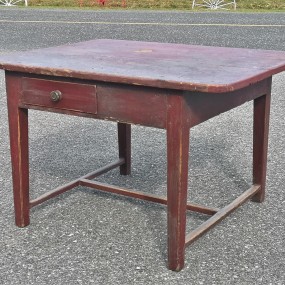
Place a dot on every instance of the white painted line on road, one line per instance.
(147, 23)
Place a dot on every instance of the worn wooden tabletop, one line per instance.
(174, 66)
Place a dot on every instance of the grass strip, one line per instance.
(156, 4)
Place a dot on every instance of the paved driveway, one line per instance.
(86, 237)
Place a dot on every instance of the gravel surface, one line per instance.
(87, 237)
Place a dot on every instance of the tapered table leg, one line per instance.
(124, 138)
(260, 141)
(177, 174)
(18, 125)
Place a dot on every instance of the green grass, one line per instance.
(158, 4)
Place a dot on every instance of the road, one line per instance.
(85, 237)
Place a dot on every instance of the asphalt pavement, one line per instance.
(87, 237)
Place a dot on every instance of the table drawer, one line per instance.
(59, 95)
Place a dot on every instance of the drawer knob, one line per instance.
(55, 96)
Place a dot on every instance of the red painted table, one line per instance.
(168, 86)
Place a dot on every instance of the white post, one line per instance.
(26, 2)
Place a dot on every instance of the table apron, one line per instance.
(204, 106)
(132, 104)
(108, 101)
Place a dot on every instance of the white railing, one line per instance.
(214, 4)
(12, 2)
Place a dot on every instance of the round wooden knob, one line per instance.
(55, 96)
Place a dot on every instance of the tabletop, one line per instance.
(172, 66)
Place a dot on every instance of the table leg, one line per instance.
(260, 142)
(124, 138)
(18, 127)
(177, 176)
(18, 124)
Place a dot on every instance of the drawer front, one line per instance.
(59, 95)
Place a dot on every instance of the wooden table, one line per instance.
(167, 86)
